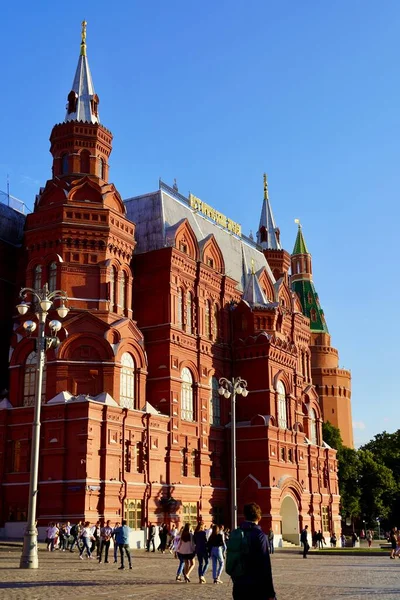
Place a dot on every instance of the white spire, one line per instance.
(82, 99)
(267, 236)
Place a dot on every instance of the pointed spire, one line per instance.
(82, 100)
(300, 246)
(268, 234)
(253, 293)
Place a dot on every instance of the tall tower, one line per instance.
(268, 237)
(78, 239)
(332, 383)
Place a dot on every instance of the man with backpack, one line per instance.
(248, 561)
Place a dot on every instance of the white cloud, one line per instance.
(359, 425)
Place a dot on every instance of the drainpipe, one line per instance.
(123, 478)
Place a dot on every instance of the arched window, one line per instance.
(189, 312)
(313, 427)
(313, 315)
(37, 279)
(113, 289)
(179, 308)
(64, 164)
(122, 289)
(127, 385)
(102, 168)
(30, 380)
(187, 400)
(207, 320)
(52, 276)
(282, 414)
(215, 406)
(215, 323)
(85, 161)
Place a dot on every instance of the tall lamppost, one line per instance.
(42, 303)
(229, 389)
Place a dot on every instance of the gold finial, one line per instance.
(265, 187)
(298, 222)
(83, 40)
(252, 266)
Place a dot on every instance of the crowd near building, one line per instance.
(166, 296)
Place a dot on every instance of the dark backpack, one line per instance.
(74, 530)
(238, 550)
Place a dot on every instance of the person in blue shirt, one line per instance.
(122, 539)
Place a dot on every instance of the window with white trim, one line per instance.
(122, 289)
(189, 312)
(187, 400)
(282, 413)
(127, 385)
(179, 309)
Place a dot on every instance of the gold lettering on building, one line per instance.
(214, 215)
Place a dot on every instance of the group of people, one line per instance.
(89, 538)
(252, 580)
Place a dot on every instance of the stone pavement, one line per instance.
(62, 576)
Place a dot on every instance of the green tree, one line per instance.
(331, 435)
(378, 487)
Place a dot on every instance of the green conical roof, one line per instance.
(305, 290)
(300, 244)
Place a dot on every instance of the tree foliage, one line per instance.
(369, 478)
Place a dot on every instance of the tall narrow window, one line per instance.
(30, 380)
(37, 281)
(127, 385)
(122, 289)
(85, 161)
(215, 406)
(52, 276)
(215, 323)
(133, 513)
(189, 312)
(113, 288)
(179, 308)
(313, 427)
(102, 168)
(207, 320)
(187, 400)
(64, 164)
(193, 463)
(282, 414)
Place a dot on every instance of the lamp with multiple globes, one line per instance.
(229, 389)
(43, 301)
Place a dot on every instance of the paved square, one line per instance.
(63, 576)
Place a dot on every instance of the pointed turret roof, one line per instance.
(253, 293)
(303, 285)
(267, 232)
(300, 246)
(82, 99)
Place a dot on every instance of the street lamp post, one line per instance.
(43, 303)
(229, 389)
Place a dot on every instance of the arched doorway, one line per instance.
(290, 520)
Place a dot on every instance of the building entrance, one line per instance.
(290, 520)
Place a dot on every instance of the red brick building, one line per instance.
(166, 297)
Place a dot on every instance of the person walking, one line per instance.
(87, 538)
(163, 538)
(75, 532)
(122, 537)
(51, 536)
(271, 540)
(186, 553)
(369, 538)
(151, 538)
(254, 579)
(105, 540)
(200, 541)
(304, 541)
(393, 542)
(116, 526)
(217, 548)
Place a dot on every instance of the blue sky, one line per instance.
(215, 93)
